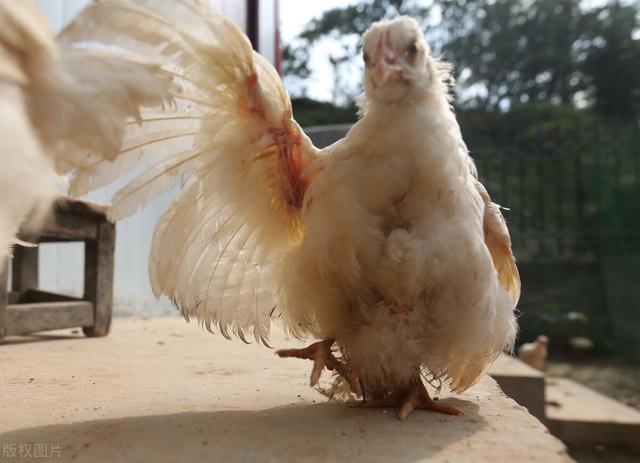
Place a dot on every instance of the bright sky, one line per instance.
(294, 15)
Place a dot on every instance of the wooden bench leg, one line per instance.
(4, 295)
(98, 278)
(24, 274)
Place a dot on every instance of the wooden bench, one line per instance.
(24, 309)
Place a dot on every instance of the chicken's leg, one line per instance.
(320, 353)
(415, 396)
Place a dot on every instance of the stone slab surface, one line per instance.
(506, 365)
(522, 383)
(163, 390)
(579, 415)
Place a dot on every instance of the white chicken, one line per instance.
(59, 109)
(383, 246)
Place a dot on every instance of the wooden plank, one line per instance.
(31, 318)
(69, 227)
(35, 295)
(64, 204)
(24, 274)
(70, 220)
(4, 295)
(14, 297)
(98, 278)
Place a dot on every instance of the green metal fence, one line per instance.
(573, 194)
(571, 183)
(572, 190)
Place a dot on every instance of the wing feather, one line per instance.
(498, 241)
(242, 161)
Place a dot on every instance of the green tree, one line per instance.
(611, 61)
(517, 51)
(547, 50)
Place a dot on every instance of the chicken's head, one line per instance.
(542, 340)
(397, 60)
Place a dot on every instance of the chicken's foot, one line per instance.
(320, 353)
(414, 397)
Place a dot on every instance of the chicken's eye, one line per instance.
(365, 58)
(412, 49)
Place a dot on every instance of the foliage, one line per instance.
(612, 63)
(570, 176)
(309, 112)
(556, 322)
(547, 50)
(519, 51)
(294, 61)
(554, 315)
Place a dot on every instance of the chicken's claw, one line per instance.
(420, 399)
(320, 353)
(415, 397)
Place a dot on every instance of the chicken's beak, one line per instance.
(387, 67)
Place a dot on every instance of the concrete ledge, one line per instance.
(522, 383)
(581, 416)
(162, 390)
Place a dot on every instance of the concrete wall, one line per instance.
(59, 12)
(325, 135)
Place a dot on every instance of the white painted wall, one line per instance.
(59, 12)
(62, 264)
(267, 29)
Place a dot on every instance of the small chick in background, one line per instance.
(535, 353)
